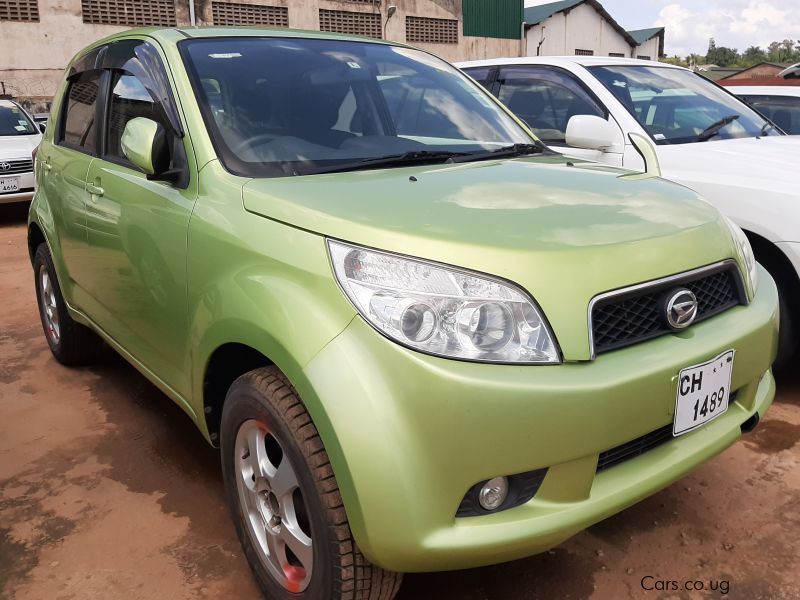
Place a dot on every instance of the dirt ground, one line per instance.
(107, 491)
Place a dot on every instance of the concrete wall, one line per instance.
(33, 55)
(580, 28)
(649, 48)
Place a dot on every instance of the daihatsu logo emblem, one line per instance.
(4, 166)
(681, 309)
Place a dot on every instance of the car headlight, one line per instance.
(443, 310)
(745, 253)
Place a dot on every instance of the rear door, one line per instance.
(137, 227)
(65, 163)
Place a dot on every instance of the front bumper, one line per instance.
(409, 434)
(21, 196)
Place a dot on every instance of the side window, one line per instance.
(480, 74)
(79, 120)
(129, 99)
(784, 111)
(546, 99)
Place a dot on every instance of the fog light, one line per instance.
(493, 493)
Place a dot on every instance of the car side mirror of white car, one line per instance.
(592, 133)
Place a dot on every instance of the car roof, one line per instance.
(765, 90)
(176, 34)
(586, 61)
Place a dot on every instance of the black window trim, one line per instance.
(98, 116)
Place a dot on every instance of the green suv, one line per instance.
(421, 340)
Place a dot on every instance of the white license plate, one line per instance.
(703, 393)
(9, 184)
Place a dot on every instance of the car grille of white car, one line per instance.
(12, 167)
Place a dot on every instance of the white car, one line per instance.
(779, 103)
(669, 121)
(19, 137)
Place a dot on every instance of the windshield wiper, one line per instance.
(504, 152)
(406, 158)
(713, 129)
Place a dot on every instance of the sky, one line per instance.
(690, 23)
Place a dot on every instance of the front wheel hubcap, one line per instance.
(273, 506)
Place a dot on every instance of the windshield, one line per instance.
(13, 121)
(281, 106)
(678, 107)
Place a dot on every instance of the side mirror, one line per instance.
(592, 133)
(42, 127)
(144, 143)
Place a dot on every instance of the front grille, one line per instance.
(24, 165)
(630, 317)
(649, 441)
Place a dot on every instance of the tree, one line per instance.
(753, 56)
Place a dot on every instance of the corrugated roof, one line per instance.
(536, 14)
(642, 35)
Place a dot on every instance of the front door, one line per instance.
(137, 235)
(546, 98)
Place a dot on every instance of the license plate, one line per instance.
(703, 393)
(9, 184)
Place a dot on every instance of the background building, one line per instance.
(39, 37)
(583, 27)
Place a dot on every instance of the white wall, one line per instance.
(649, 48)
(581, 28)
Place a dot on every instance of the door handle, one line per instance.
(94, 190)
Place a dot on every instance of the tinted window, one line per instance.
(481, 75)
(784, 111)
(676, 106)
(80, 112)
(14, 121)
(546, 99)
(277, 107)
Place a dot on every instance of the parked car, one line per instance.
(780, 104)
(422, 340)
(698, 135)
(19, 138)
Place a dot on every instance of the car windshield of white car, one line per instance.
(676, 106)
(15, 122)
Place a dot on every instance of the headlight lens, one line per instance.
(443, 311)
(745, 253)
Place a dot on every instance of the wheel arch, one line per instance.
(36, 237)
(774, 260)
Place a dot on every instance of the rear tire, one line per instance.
(285, 501)
(71, 343)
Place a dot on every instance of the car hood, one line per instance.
(18, 146)
(565, 231)
(753, 180)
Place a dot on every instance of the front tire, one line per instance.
(285, 501)
(71, 343)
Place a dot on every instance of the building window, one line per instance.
(236, 13)
(129, 12)
(579, 52)
(19, 10)
(617, 54)
(355, 23)
(434, 31)
(643, 57)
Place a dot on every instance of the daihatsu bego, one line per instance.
(421, 340)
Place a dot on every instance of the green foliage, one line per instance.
(786, 51)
